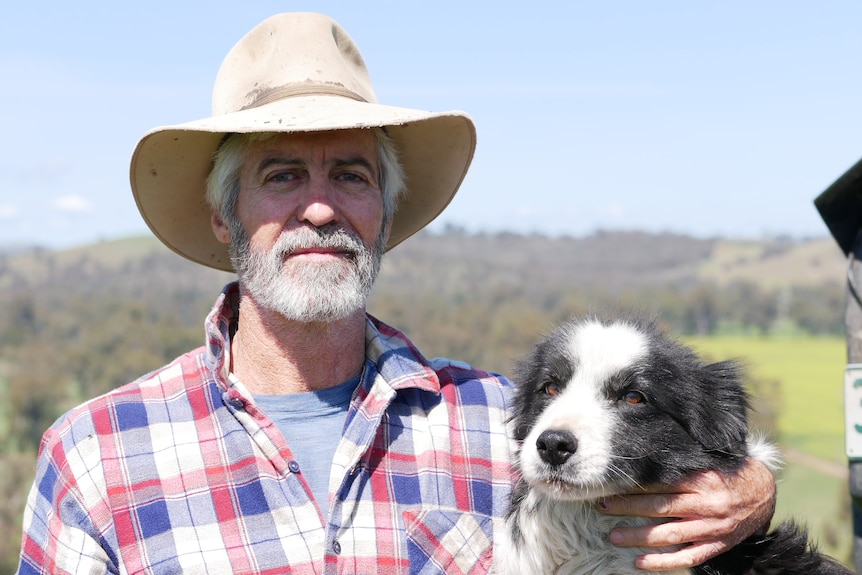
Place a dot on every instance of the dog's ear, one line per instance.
(719, 421)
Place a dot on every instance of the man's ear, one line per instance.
(220, 228)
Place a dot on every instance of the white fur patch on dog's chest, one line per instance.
(573, 537)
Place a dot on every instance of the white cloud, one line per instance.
(73, 203)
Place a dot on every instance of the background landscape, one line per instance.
(81, 321)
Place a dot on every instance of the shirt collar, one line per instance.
(393, 355)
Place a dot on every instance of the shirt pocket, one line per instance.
(448, 541)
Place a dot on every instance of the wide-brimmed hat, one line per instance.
(294, 72)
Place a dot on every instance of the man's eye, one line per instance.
(282, 177)
(351, 177)
(551, 388)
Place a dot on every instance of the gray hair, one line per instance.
(223, 181)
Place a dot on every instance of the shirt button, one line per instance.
(237, 402)
(336, 547)
(293, 466)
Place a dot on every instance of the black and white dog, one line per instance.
(605, 406)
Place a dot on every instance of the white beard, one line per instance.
(308, 292)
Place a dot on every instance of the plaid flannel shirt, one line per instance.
(179, 472)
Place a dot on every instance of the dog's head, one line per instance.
(603, 406)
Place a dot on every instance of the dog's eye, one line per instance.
(633, 397)
(551, 388)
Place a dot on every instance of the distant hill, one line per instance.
(612, 260)
(607, 260)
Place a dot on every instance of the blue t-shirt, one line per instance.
(312, 423)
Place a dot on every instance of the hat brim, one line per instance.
(170, 164)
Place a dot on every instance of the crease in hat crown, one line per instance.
(319, 59)
(294, 72)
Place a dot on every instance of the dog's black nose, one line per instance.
(555, 446)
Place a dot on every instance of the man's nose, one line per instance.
(318, 206)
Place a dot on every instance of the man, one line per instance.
(307, 436)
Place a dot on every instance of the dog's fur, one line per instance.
(603, 407)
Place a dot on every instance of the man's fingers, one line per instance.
(694, 542)
(666, 534)
(642, 505)
(672, 533)
(669, 505)
(685, 558)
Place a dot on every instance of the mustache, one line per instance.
(311, 238)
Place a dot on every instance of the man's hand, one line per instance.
(712, 512)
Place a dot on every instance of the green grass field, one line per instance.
(809, 372)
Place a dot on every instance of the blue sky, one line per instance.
(706, 118)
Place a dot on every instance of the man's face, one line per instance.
(308, 235)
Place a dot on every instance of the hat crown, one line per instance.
(287, 55)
